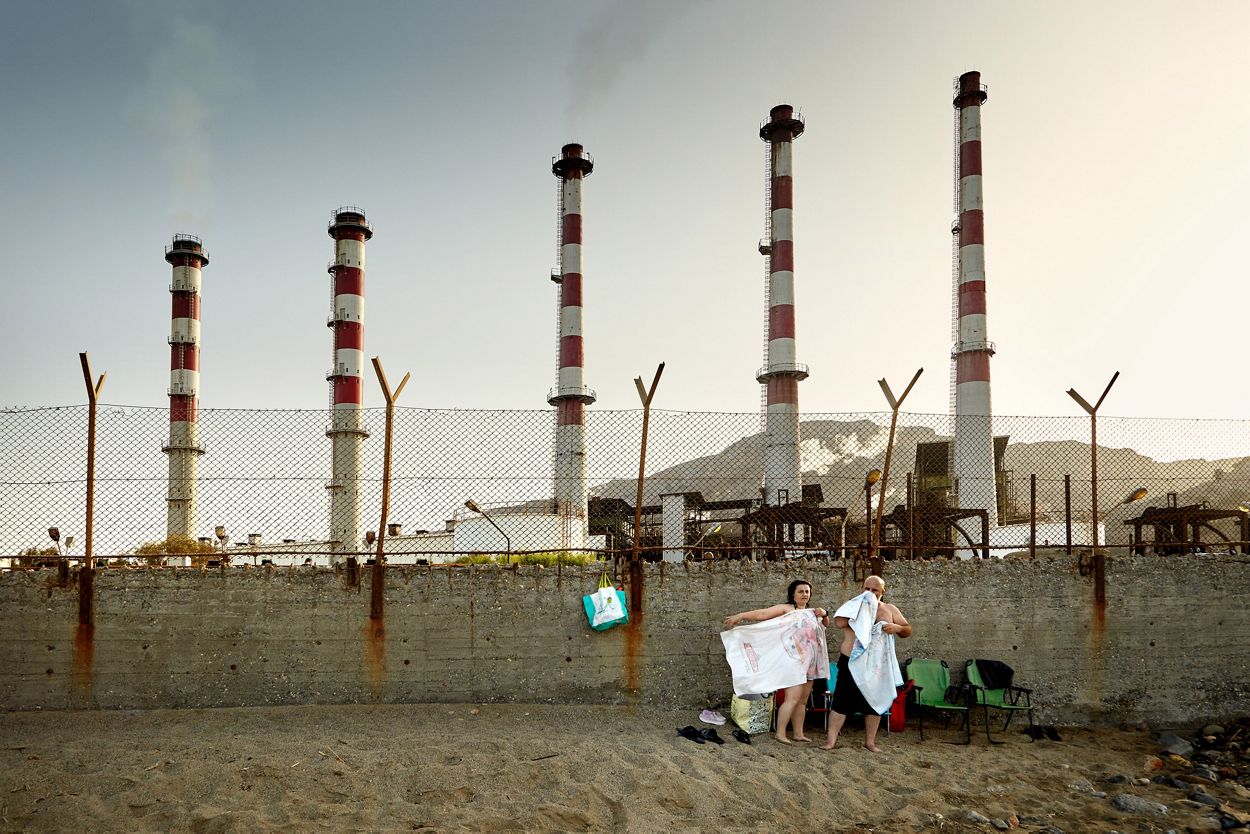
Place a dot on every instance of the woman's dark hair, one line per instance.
(793, 587)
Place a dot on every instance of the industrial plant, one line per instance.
(958, 497)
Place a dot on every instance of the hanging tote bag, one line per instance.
(606, 606)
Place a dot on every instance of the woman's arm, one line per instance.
(758, 615)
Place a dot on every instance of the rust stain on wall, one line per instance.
(83, 673)
(375, 656)
(634, 638)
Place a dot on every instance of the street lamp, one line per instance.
(473, 507)
(220, 532)
(871, 478)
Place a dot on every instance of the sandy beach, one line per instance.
(492, 767)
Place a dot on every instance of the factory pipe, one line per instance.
(782, 373)
(187, 257)
(973, 464)
(570, 396)
(350, 229)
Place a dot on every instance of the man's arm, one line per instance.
(898, 625)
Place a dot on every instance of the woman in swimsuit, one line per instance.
(793, 710)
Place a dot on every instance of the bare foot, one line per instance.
(872, 748)
(828, 745)
(782, 739)
(802, 738)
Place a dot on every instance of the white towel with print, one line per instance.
(873, 663)
(785, 651)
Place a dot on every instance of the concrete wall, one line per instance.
(1170, 649)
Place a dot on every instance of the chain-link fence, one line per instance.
(260, 488)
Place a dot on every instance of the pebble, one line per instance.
(1141, 780)
(973, 816)
(1213, 730)
(1052, 829)
(1082, 786)
(1171, 782)
(1172, 743)
(1204, 798)
(1204, 774)
(1152, 763)
(1137, 805)
(1001, 825)
(1116, 779)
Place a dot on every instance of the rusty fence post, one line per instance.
(1067, 511)
(86, 616)
(379, 568)
(1033, 516)
(635, 559)
(874, 544)
(1100, 568)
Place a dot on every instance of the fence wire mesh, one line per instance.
(261, 486)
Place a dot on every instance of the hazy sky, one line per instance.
(1116, 183)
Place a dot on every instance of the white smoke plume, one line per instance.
(616, 39)
(191, 75)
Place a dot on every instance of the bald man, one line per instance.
(847, 698)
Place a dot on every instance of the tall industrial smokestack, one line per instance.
(781, 373)
(187, 256)
(570, 396)
(350, 230)
(973, 457)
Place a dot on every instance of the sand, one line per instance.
(494, 767)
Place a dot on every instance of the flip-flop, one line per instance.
(742, 736)
(690, 733)
(709, 734)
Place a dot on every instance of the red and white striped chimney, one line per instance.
(571, 396)
(782, 373)
(187, 256)
(350, 230)
(973, 457)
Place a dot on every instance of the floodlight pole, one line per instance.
(1100, 568)
(379, 575)
(85, 576)
(874, 545)
(635, 559)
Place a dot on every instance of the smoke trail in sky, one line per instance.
(190, 76)
(613, 41)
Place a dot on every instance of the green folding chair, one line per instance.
(1008, 699)
(933, 691)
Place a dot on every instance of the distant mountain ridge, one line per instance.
(838, 454)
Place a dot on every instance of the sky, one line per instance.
(1116, 178)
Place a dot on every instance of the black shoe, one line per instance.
(741, 735)
(690, 733)
(709, 734)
